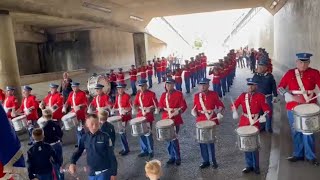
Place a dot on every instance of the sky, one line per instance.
(211, 27)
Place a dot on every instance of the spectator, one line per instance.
(153, 169)
(65, 87)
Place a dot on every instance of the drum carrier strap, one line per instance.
(249, 110)
(301, 86)
(141, 104)
(208, 116)
(97, 101)
(167, 104)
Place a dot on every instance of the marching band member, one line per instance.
(252, 103)
(100, 102)
(10, 103)
(54, 101)
(120, 76)
(150, 73)
(158, 70)
(29, 106)
(123, 105)
(133, 79)
(267, 86)
(203, 61)
(193, 72)
(147, 103)
(301, 82)
(2, 96)
(177, 77)
(187, 76)
(216, 79)
(113, 84)
(205, 103)
(173, 104)
(143, 72)
(78, 101)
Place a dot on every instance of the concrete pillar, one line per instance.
(140, 44)
(9, 70)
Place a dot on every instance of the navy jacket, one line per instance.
(266, 83)
(52, 132)
(109, 129)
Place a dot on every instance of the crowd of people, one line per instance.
(96, 134)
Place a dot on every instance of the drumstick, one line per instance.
(314, 98)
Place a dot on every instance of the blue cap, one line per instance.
(9, 88)
(120, 69)
(27, 88)
(263, 62)
(74, 84)
(52, 85)
(142, 82)
(304, 56)
(170, 80)
(251, 81)
(121, 85)
(204, 81)
(98, 86)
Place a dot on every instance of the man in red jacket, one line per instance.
(133, 79)
(178, 77)
(10, 103)
(204, 105)
(149, 73)
(173, 104)
(29, 106)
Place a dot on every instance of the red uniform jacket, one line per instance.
(177, 76)
(30, 102)
(197, 65)
(2, 95)
(203, 62)
(215, 77)
(175, 100)
(148, 99)
(143, 72)
(120, 77)
(150, 70)
(163, 65)
(257, 103)
(101, 101)
(187, 72)
(133, 74)
(79, 98)
(211, 101)
(158, 66)
(192, 67)
(11, 102)
(55, 99)
(113, 77)
(310, 78)
(124, 103)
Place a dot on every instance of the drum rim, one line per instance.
(142, 119)
(246, 135)
(209, 127)
(306, 115)
(19, 118)
(157, 123)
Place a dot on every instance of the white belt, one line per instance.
(216, 76)
(55, 143)
(267, 95)
(177, 76)
(247, 116)
(99, 172)
(302, 92)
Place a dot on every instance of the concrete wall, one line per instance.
(297, 30)
(155, 48)
(28, 58)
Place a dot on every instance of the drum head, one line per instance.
(69, 115)
(205, 124)
(19, 118)
(92, 81)
(137, 120)
(245, 130)
(306, 109)
(114, 118)
(164, 123)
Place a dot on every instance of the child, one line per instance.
(39, 158)
(153, 169)
(106, 127)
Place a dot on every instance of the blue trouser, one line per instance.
(159, 77)
(198, 76)
(206, 150)
(187, 83)
(204, 72)
(30, 129)
(150, 81)
(223, 85)
(252, 159)
(47, 176)
(217, 88)
(102, 176)
(174, 148)
(79, 135)
(124, 141)
(163, 74)
(58, 149)
(133, 86)
(178, 86)
(268, 124)
(146, 143)
(193, 80)
(303, 145)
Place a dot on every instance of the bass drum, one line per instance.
(99, 79)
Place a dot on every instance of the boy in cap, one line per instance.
(105, 126)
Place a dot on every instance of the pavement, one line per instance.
(230, 159)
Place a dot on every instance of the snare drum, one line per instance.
(19, 123)
(206, 131)
(69, 121)
(116, 121)
(306, 118)
(165, 130)
(248, 138)
(139, 126)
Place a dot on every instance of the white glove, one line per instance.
(143, 112)
(89, 111)
(275, 100)
(27, 111)
(194, 112)
(76, 108)
(175, 113)
(235, 115)
(147, 110)
(13, 113)
(6, 109)
(112, 112)
(262, 119)
(134, 111)
(288, 97)
(64, 109)
(156, 111)
(219, 116)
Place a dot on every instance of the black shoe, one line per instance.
(125, 153)
(214, 165)
(314, 162)
(204, 165)
(143, 154)
(122, 151)
(30, 143)
(151, 155)
(257, 171)
(295, 159)
(178, 162)
(247, 170)
(76, 146)
(170, 161)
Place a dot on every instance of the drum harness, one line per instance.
(120, 112)
(168, 109)
(205, 111)
(301, 86)
(144, 112)
(80, 126)
(252, 121)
